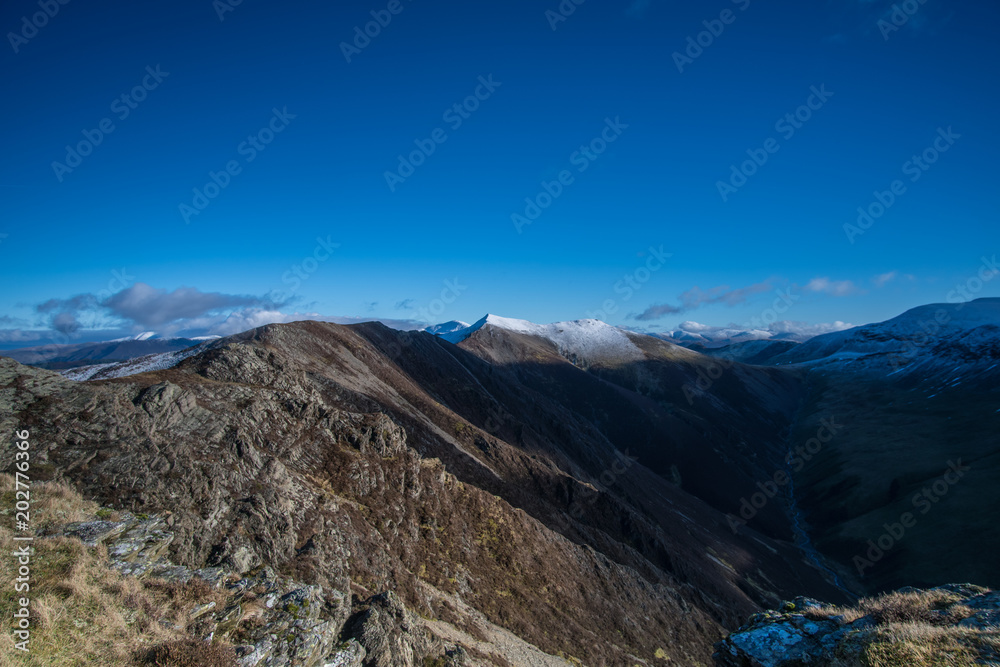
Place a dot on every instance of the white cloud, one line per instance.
(150, 307)
(884, 279)
(696, 327)
(831, 287)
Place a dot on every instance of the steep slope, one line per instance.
(714, 428)
(872, 423)
(363, 459)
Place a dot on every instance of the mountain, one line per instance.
(568, 493)
(582, 340)
(933, 335)
(58, 357)
(710, 338)
(446, 327)
(700, 337)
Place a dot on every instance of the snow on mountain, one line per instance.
(447, 327)
(150, 362)
(713, 337)
(60, 357)
(693, 334)
(581, 339)
(925, 336)
(145, 335)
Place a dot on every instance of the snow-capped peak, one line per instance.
(145, 335)
(587, 339)
(447, 327)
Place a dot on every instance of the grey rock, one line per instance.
(790, 639)
(388, 633)
(202, 609)
(93, 533)
(984, 620)
(145, 542)
(984, 601)
(350, 654)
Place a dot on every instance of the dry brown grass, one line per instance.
(84, 613)
(190, 653)
(932, 607)
(913, 629)
(921, 645)
(52, 503)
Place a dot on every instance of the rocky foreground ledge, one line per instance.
(221, 617)
(267, 619)
(270, 619)
(111, 573)
(953, 625)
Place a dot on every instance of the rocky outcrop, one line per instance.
(958, 620)
(273, 620)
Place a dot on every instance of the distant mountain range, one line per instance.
(58, 357)
(711, 337)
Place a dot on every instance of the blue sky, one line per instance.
(641, 124)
